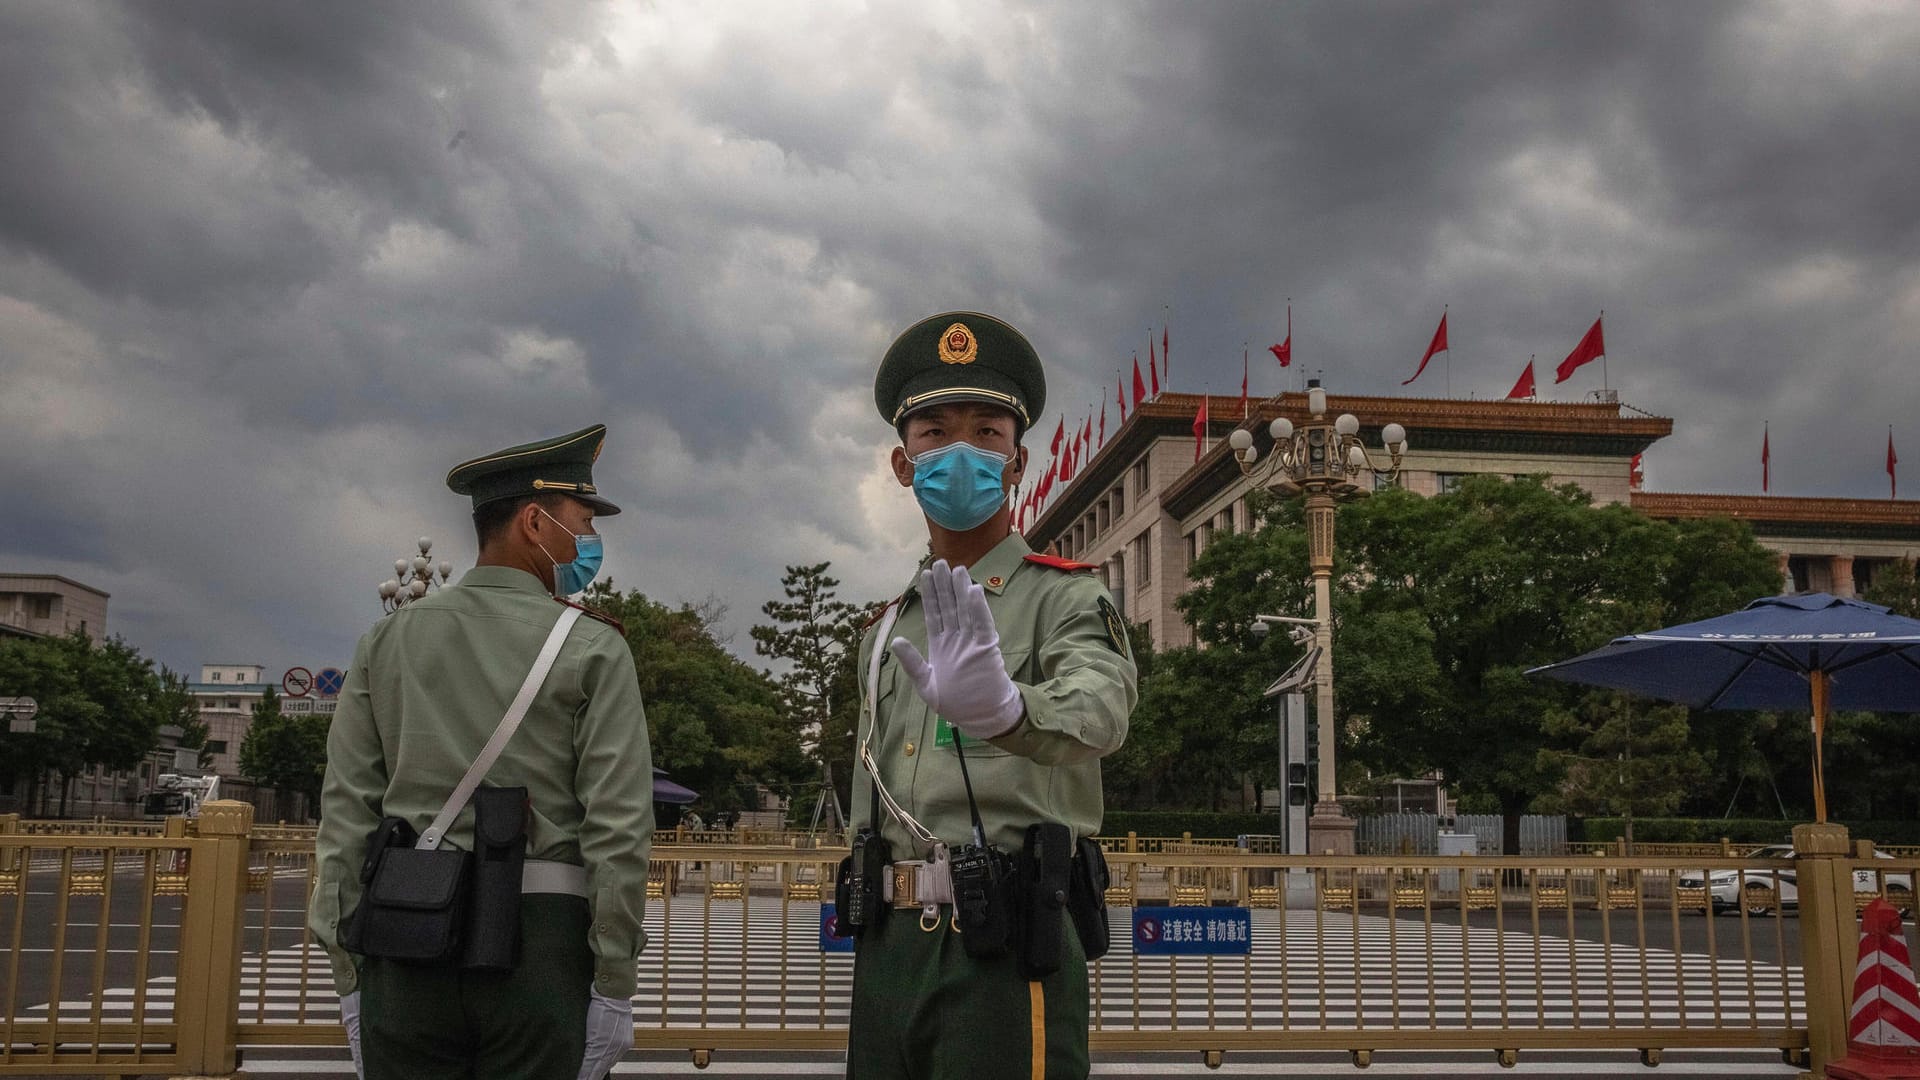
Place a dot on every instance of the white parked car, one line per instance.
(1732, 889)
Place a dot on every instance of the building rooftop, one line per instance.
(1560, 427)
(1896, 519)
(10, 582)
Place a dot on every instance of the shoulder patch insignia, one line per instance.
(1058, 563)
(1116, 627)
(592, 614)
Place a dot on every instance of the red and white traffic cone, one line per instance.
(1883, 1032)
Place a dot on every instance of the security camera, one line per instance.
(1259, 629)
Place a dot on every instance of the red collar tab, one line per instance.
(601, 615)
(1058, 563)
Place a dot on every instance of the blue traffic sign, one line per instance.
(329, 682)
(829, 943)
(1192, 931)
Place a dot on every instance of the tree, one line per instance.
(1627, 756)
(100, 704)
(1897, 588)
(286, 753)
(817, 635)
(1441, 604)
(714, 721)
(178, 707)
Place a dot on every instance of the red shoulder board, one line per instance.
(878, 613)
(592, 614)
(1058, 563)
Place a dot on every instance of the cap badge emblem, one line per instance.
(957, 345)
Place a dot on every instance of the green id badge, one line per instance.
(943, 733)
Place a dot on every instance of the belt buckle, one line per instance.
(905, 882)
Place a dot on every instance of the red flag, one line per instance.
(1437, 345)
(1103, 423)
(1283, 352)
(1200, 426)
(1139, 387)
(1636, 475)
(1059, 433)
(1086, 436)
(1243, 382)
(1893, 482)
(1153, 369)
(1591, 348)
(1523, 388)
(1766, 458)
(1120, 397)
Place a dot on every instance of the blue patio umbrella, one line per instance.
(666, 791)
(1813, 651)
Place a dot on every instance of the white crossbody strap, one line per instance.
(430, 840)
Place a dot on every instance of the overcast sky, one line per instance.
(268, 270)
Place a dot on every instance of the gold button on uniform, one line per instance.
(909, 749)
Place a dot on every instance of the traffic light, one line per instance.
(1297, 784)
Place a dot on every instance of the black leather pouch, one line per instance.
(415, 902)
(1087, 899)
(1045, 868)
(499, 854)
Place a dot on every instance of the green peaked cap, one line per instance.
(960, 356)
(562, 465)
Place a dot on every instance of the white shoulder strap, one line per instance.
(430, 840)
(881, 640)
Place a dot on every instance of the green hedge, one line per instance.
(1178, 822)
(1738, 830)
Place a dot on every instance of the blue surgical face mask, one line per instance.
(575, 576)
(959, 485)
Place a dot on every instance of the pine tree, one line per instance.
(817, 635)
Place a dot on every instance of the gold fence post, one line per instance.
(1828, 936)
(207, 998)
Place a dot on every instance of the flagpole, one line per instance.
(1166, 319)
(1443, 318)
(1605, 384)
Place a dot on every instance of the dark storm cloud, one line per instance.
(266, 270)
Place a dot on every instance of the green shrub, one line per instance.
(1178, 822)
(1738, 830)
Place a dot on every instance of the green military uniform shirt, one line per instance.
(428, 685)
(1066, 651)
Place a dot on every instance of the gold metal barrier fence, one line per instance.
(182, 953)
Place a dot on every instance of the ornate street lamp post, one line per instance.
(1327, 461)
(413, 577)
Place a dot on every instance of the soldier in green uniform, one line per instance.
(1019, 659)
(428, 685)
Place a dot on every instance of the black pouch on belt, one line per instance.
(857, 889)
(1045, 871)
(1087, 899)
(415, 905)
(984, 899)
(499, 854)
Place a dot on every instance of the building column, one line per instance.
(1786, 573)
(1840, 569)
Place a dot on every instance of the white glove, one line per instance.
(609, 1034)
(350, 1017)
(962, 677)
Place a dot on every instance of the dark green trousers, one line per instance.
(925, 1010)
(441, 1023)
